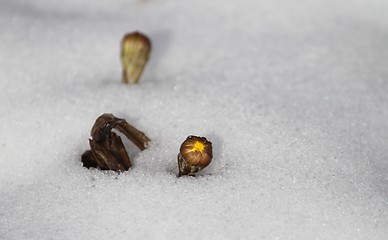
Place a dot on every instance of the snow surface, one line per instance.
(293, 95)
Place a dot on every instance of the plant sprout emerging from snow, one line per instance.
(107, 150)
(195, 154)
(135, 51)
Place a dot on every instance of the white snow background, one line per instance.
(293, 95)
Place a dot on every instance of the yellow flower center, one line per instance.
(198, 146)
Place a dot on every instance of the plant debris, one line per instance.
(107, 150)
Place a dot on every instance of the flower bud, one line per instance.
(135, 51)
(195, 154)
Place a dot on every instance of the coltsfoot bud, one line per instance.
(135, 51)
(195, 154)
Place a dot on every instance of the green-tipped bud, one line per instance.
(135, 51)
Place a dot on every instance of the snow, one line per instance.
(293, 95)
